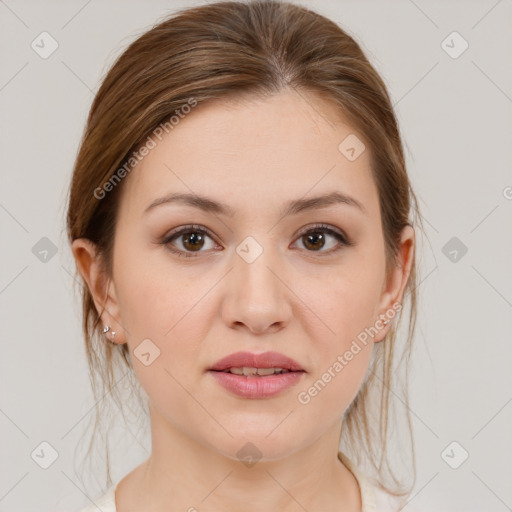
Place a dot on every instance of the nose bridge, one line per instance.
(258, 298)
(256, 265)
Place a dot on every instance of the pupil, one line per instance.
(193, 238)
(315, 237)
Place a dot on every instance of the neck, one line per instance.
(182, 474)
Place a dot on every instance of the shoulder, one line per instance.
(373, 497)
(379, 500)
(105, 503)
(385, 502)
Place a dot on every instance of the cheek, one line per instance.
(344, 302)
(168, 313)
(341, 358)
(358, 291)
(166, 304)
(336, 385)
(155, 296)
(341, 331)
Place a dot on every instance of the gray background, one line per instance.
(455, 118)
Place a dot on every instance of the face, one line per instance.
(199, 284)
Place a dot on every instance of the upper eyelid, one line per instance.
(325, 227)
(200, 227)
(188, 229)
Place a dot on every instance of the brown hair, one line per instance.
(222, 50)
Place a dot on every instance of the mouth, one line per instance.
(249, 375)
(256, 372)
(250, 364)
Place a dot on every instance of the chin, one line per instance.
(251, 444)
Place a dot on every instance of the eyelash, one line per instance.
(195, 228)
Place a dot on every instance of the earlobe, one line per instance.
(90, 265)
(394, 288)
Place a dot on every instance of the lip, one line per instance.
(257, 386)
(264, 360)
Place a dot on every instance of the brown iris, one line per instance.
(312, 240)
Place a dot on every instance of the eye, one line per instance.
(316, 238)
(191, 238)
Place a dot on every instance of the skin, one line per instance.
(255, 155)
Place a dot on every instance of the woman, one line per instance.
(239, 213)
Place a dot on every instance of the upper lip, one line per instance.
(250, 360)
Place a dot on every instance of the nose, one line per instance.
(257, 298)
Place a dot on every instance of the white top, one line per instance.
(373, 498)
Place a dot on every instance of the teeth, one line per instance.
(269, 371)
(249, 371)
(236, 371)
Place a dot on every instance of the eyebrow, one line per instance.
(292, 207)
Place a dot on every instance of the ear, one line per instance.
(90, 265)
(394, 287)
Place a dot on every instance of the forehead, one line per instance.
(246, 151)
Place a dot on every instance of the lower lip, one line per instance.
(256, 387)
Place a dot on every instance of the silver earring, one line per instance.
(106, 329)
